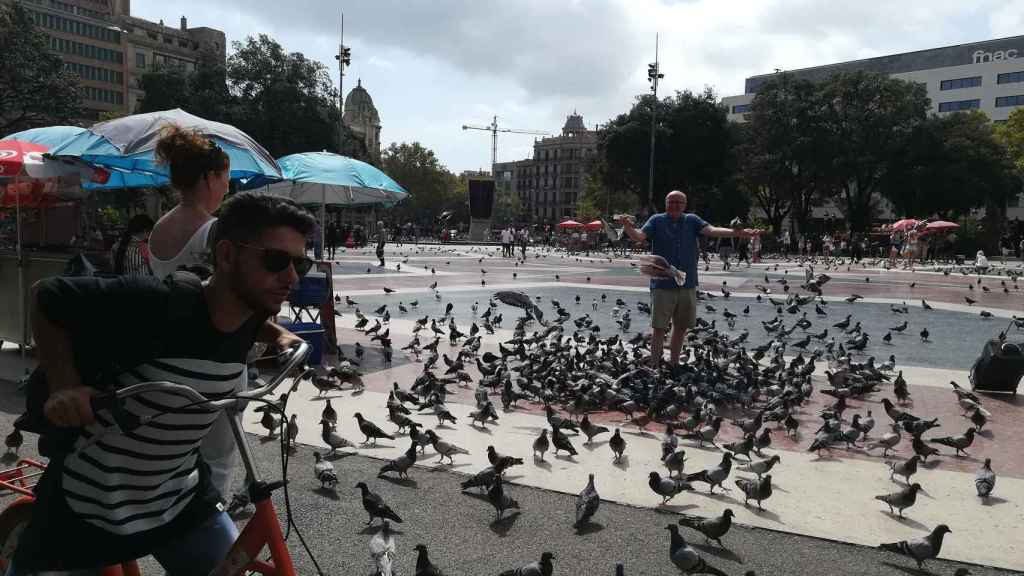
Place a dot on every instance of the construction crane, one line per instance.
(493, 129)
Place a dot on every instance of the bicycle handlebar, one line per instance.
(290, 359)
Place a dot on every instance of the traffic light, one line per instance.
(652, 73)
(345, 57)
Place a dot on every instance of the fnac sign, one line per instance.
(980, 56)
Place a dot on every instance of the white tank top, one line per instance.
(193, 253)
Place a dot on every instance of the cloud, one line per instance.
(432, 66)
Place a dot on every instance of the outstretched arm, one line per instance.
(719, 232)
(631, 230)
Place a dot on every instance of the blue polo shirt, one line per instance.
(676, 242)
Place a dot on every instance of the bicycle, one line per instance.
(261, 531)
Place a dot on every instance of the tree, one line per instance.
(432, 188)
(1011, 134)
(952, 165)
(866, 119)
(780, 161)
(693, 151)
(283, 100)
(35, 90)
(507, 207)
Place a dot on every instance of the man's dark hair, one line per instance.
(246, 216)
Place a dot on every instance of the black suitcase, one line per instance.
(999, 368)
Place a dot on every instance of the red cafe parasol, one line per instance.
(594, 226)
(904, 224)
(569, 224)
(940, 226)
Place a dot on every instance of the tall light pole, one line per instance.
(653, 75)
(344, 58)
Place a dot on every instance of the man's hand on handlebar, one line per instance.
(70, 407)
(286, 341)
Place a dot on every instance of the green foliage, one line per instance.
(35, 90)
(1011, 134)
(781, 163)
(951, 165)
(693, 152)
(432, 188)
(866, 119)
(285, 101)
(507, 207)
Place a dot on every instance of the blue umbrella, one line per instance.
(54, 136)
(326, 179)
(128, 144)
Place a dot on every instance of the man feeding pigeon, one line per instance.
(673, 236)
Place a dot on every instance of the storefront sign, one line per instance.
(980, 56)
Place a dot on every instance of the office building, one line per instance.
(549, 184)
(986, 76)
(109, 49)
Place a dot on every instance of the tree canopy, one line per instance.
(693, 153)
(432, 188)
(35, 89)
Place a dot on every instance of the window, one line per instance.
(741, 108)
(960, 83)
(959, 105)
(1010, 78)
(140, 59)
(1004, 101)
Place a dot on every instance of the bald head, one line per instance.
(675, 204)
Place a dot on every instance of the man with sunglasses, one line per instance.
(109, 496)
(673, 235)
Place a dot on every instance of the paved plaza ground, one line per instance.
(822, 518)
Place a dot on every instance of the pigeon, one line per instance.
(920, 549)
(686, 558)
(541, 444)
(925, 334)
(423, 565)
(329, 414)
(907, 468)
(499, 499)
(401, 464)
(375, 506)
(667, 488)
(561, 442)
(324, 472)
(713, 476)
(674, 461)
(382, 550)
(618, 445)
(985, 479)
(741, 447)
(761, 467)
(501, 461)
(444, 449)
(587, 503)
(541, 568)
(888, 441)
(760, 489)
(331, 438)
(901, 500)
(590, 429)
(293, 430)
(14, 441)
(371, 430)
(959, 443)
(711, 528)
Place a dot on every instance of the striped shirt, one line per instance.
(140, 480)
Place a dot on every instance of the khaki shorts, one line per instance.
(678, 305)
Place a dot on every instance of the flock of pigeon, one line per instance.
(567, 367)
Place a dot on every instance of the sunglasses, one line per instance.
(276, 261)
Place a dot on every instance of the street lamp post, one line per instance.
(653, 75)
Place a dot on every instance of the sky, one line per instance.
(432, 66)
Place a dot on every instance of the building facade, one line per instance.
(549, 184)
(986, 76)
(109, 49)
(362, 117)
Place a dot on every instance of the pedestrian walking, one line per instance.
(382, 238)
